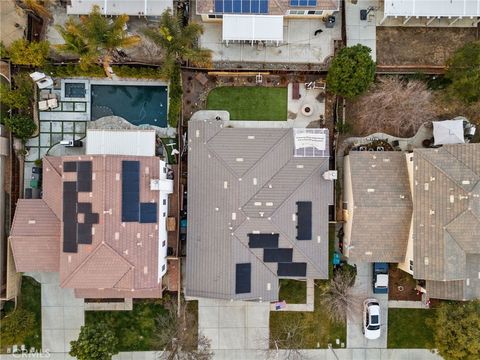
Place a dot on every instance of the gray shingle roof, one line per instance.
(382, 206)
(447, 220)
(244, 181)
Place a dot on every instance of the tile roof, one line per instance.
(382, 206)
(447, 219)
(243, 181)
(35, 237)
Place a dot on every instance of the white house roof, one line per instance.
(432, 8)
(252, 27)
(119, 7)
(121, 142)
(448, 132)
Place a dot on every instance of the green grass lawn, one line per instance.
(293, 291)
(407, 328)
(317, 329)
(29, 302)
(171, 159)
(134, 329)
(250, 103)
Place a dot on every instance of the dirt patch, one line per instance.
(402, 286)
(420, 46)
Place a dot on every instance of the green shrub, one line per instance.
(3, 51)
(22, 127)
(74, 70)
(175, 93)
(16, 326)
(32, 53)
(20, 97)
(137, 72)
(95, 342)
(352, 71)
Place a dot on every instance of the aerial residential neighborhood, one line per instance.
(240, 179)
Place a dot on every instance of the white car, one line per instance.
(371, 319)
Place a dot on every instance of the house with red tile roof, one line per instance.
(101, 223)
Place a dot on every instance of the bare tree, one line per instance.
(393, 106)
(287, 341)
(178, 337)
(339, 298)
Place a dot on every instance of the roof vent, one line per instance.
(299, 166)
(369, 253)
(270, 186)
(425, 260)
(452, 199)
(468, 282)
(402, 196)
(432, 178)
(432, 212)
(225, 184)
(239, 159)
(257, 203)
(319, 239)
(234, 216)
(254, 181)
(269, 203)
(465, 182)
(261, 213)
(269, 286)
(197, 133)
(386, 160)
(425, 186)
(371, 190)
(31, 222)
(216, 209)
(330, 175)
(251, 137)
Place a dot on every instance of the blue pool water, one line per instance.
(136, 104)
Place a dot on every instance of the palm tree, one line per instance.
(179, 42)
(95, 38)
(37, 7)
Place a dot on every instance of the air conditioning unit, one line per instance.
(330, 175)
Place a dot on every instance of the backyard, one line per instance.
(250, 103)
(22, 326)
(408, 328)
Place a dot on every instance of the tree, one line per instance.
(3, 51)
(95, 342)
(16, 326)
(32, 53)
(457, 330)
(463, 69)
(338, 298)
(177, 337)
(95, 38)
(351, 72)
(179, 42)
(21, 96)
(21, 126)
(288, 340)
(38, 7)
(393, 106)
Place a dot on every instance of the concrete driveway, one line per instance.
(363, 288)
(234, 325)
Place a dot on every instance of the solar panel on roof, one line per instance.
(292, 269)
(148, 213)
(304, 220)
(69, 166)
(277, 255)
(243, 278)
(303, 2)
(84, 233)
(91, 218)
(69, 235)
(130, 191)
(241, 6)
(263, 240)
(84, 208)
(84, 176)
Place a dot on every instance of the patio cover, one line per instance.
(448, 132)
(252, 27)
(432, 8)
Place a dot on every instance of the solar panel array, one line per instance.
(304, 220)
(241, 6)
(303, 2)
(75, 232)
(243, 278)
(272, 253)
(132, 209)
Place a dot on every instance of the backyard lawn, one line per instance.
(250, 103)
(317, 330)
(407, 328)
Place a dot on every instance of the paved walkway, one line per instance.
(234, 325)
(407, 304)
(361, 31)
(62, 314)
(309, 306)
(363, 289)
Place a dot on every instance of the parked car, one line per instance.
(371, 319)
(380, 278)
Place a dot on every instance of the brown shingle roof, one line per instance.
(382, 206)
(447, 218)
(35, 237)
(52, 183)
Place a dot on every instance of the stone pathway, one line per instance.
(62, 314)
(309, 306)
(407, 304)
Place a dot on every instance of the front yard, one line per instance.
(408, 328)
(250, 103)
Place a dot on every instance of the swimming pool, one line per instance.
(138, 104)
